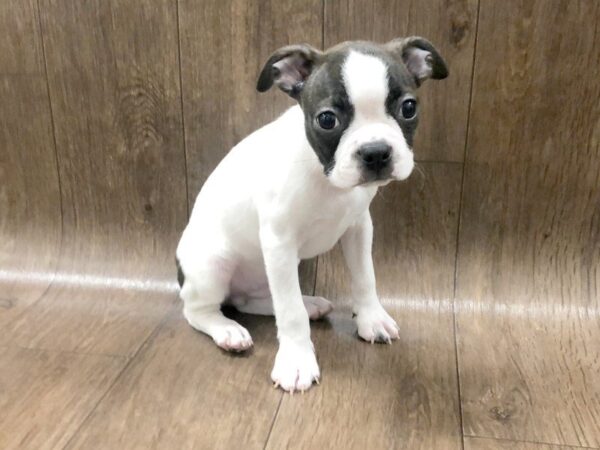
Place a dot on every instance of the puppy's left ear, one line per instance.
(420, 57)
(288, 68)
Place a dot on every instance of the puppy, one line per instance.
(293, 188)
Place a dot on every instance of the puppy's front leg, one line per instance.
(374, 323)
(295, 364)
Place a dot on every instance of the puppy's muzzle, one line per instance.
(376, 159)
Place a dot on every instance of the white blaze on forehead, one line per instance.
(366, 81)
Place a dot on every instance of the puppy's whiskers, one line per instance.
(422, 174)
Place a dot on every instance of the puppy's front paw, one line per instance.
(295, 367)
(376, 325)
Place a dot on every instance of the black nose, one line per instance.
(375, 155)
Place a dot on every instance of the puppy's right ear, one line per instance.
(288, 68)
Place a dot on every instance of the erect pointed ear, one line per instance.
(420, 57)
(288, 68)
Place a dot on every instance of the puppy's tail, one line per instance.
(180, 276)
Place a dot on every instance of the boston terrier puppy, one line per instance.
(292, 189)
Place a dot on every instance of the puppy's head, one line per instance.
(360, 103)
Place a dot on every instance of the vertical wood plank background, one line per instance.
(529, 248)
(114, 112)
(30, 203)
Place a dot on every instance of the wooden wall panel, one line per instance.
(20, 43)
(403, 395)
(30, 211)
(529, 259)
(450, 25)
(30, 218)
(114, 86)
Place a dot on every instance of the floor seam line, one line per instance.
(274, 420)
(119, 375)
(458, 226)
(183, 137)
(525, 441)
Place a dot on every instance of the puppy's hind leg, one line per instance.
(316, 307)
(205, 287)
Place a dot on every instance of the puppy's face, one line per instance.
(360, 103)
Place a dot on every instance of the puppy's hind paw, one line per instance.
(227, 333)
(233, 338)
(316, 307)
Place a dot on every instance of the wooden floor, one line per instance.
(112, 115)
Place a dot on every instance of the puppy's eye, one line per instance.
(327, 120)
(409, 108)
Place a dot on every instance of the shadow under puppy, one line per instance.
(292, 189)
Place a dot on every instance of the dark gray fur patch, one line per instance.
(180, 276)
(325, 90)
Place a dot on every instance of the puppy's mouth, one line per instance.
(377, 180)
(383, 175)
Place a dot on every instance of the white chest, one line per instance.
(323, 229)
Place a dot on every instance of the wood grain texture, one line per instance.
(399, 396)
(92, 320)
(20, 43)
(30, 210)
(114, 87)
(473, 443)
(30, 222)
(308, 274)
(529, 259)
(183, 392)
(44, 396)
(450, 25)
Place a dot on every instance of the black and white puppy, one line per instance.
(293, 188)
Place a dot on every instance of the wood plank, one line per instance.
(183, 392)
(114, 86)
(47, 395)
(308, 274)
(474, 443)
(399, 396)
(529, 259)
(20, 43)
(84, 318)
(450, 25)
(30, 221)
